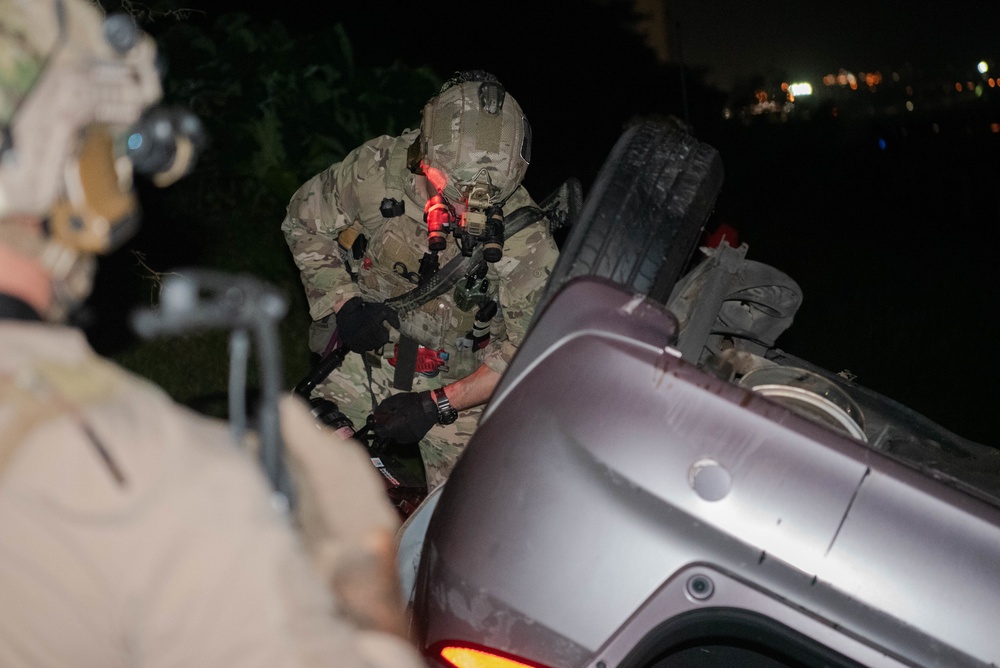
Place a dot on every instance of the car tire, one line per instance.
(644, 215)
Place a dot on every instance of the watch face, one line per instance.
(446, 413)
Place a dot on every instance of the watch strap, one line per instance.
(446, 412)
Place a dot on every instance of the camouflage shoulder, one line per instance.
(371, 159)
(520, 197)
(311, 189)
(379, 172)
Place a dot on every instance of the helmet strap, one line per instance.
(414, 157)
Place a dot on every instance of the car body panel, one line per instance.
(606, 467)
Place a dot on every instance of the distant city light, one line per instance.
(873, 79)
(878, 90)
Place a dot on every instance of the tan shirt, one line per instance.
(166, 552)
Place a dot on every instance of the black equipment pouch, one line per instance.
(406, 363)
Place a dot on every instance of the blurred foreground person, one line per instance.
(132, 531)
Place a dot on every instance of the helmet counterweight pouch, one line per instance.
(491, 96)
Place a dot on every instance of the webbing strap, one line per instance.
(26, 415)
(31, 409)
(406, 363)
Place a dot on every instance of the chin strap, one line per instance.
(71, 271)
(12, 308)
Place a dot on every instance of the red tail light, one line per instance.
(465, 656)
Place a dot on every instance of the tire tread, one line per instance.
(643, 217)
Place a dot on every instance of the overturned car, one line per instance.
(655, 484)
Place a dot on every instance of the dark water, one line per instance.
(891, 230)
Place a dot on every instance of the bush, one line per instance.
(278, 108)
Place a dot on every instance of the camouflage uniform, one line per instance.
(348, 194)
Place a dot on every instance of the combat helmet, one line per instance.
(472, 132)
(74, 86)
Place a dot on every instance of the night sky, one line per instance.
(891, 236)
(734, 38)
(730, 38)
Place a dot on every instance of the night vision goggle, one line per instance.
(481, 223)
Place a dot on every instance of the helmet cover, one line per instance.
(473, 131)
(70, 81)
(62, 70)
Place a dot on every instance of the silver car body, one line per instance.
(616, 495)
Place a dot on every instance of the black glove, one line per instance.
(360, 324)
(406, 417)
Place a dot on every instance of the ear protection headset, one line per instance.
(100, 212)
(67, 130)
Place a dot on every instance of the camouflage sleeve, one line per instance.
(323, 207)
(314, 218)
(528, 259)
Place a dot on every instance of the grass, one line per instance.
(194, 368)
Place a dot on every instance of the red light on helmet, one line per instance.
(437, 178)
(438, 219)
(464, 656)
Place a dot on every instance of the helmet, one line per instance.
(72, 83)
(68, 81)
(473, 132)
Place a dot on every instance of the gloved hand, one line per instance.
(360, 324)
(406, 417)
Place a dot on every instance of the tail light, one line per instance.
(462, 655)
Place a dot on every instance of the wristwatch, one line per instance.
(446, 413)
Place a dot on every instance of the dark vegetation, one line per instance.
(892, 247)
(278, 109)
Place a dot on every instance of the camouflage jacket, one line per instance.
(349, 193)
